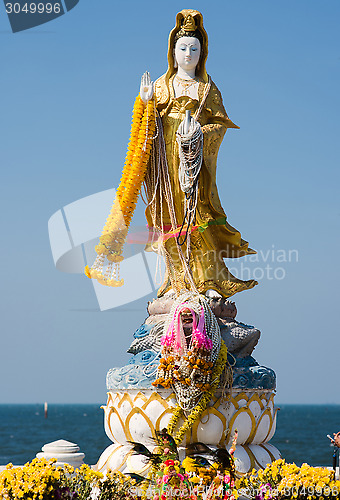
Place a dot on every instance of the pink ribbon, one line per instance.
(173, 335)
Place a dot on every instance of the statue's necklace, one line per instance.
(185, 84)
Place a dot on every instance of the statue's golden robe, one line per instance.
(212, 238)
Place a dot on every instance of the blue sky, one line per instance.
(67, 90)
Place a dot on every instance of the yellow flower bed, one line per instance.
(280, 480)
(42, 480)
(34, 480)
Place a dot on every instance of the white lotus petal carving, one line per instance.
(116, 426)
(273, 428)
(261, 456)
(242, 460)
(211, 430)
(136, 415)
(243, 422)
(256, 409)
(263, 426)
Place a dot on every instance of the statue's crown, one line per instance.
(189, 23)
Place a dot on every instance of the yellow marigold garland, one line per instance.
(115, 230)
(197, 411)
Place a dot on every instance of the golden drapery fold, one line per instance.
(212, 237)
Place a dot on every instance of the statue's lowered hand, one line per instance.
(146, 87)
(187, 121)
(188, 126)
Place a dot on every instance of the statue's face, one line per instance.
(187, 323)
(187, 52)
(187, 320)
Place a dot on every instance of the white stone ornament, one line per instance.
(64, 451)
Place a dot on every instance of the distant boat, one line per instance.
(45, 409)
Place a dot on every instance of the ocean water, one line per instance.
(24, 430)
(300, 434)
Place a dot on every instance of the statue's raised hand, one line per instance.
(146, 87)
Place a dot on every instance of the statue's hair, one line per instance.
(195, 34)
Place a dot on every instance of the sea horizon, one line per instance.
(301, 430)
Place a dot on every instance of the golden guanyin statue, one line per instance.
(179, 124)
(180, 352)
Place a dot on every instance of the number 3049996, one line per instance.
(33, 8)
